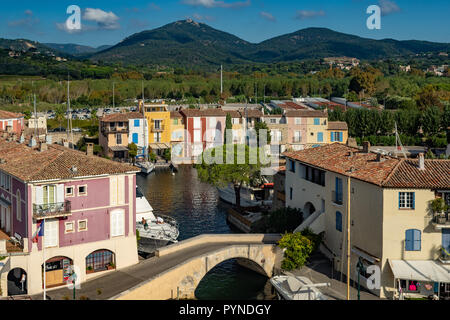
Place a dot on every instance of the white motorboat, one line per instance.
(297, 288)
(146, 167)
(250, 197)
(159, 231)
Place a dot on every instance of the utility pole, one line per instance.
(348, 237)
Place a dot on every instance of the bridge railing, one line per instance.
(219, 238)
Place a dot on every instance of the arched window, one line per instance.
(18, 206)
(100, 260)
(338, 221)
(413, 240)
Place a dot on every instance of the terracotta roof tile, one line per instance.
(305, 114)
(337, 125)
(175, 114)
(10, 115)
(29, 164)
(123, 117)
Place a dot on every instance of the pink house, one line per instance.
(86, 205)
(11, 122)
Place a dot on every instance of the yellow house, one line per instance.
(159, 127)
(394, 233)
(337, 132)
(316, 130)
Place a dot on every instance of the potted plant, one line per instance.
(439, 207)
(89, 270)
(111, 266)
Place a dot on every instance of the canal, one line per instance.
(198, 210)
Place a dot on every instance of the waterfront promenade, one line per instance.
(111, 285)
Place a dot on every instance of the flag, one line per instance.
(39, 232)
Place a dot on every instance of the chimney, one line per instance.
(74, 169)
(380, 157)
(90, 149)
(421, 161)
(366, 146)
(43, 147)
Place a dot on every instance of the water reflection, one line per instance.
(198, 210)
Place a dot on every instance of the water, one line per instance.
(198, 210)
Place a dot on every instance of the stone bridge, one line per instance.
(255, 251)
(176, 270)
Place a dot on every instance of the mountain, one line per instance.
(183, 43)
(26, 45)
(76, 49)
(191, 44)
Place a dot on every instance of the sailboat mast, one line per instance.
(145, 124)
(68, 107)
(35, 117)
(221, 79)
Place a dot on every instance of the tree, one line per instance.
(262, 126)
(132, 151)
(223, 174)
(431, 121)
(228, 126)
(387, 123)
(428, 97)
(298, 248)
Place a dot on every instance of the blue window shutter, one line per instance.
(338, 221)
(332, 136)
(413, 200)
(337, 189)
(409, 240)
(341, 136)
(399, 200)
(320, 137)
(136, 123)
(316, 121)
(290, 193)
(417, 240)
(135, 138)
(446, 239)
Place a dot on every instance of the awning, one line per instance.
(157, 146)
(365, 255)
(118, 148)
(420, 270)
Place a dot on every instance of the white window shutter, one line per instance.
(113, 190)
(60, 193)
(121, 189)
(39, 195)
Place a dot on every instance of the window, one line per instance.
(292, 166)
(316, 121)
(212, 122)
(69, 227)
(291, 191)
(273, 120)
(137, 123)
(338, 221)
(338, 191)
(297, 136)
(120, 124)
(135, 138)
(100, 260)
(298, 121)
(69, 192)
(117, 223)
(175, 122)
(82, 225)
(51, 233)
(413, 240)
(117, 190)
(18, 206)
(118, 138)
(320, 137)
(82, 190)
(197, 123)
(235, 120)
(406, 200)
(314, 175)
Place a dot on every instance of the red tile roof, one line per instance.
(251, 113)
(29, 164)
(233, 113)
(175, 114)
(390, 172)
(10, 115)
(211, 112)
(122, 117)
(305, 114)
(337, 125)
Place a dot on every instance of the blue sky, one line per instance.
(108, 22)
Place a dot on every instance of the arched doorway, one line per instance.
(58, 271)
(308, 210)
(17, 282)
(100, 260)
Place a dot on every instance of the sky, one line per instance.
(107, 22)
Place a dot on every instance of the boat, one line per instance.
(146, 167)
(250, 197)
(297, 288)
(160, 231)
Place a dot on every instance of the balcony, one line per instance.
(159, 128)
(115, 130)
(441, 220)
(51, 210)
(336, 198)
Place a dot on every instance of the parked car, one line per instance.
(77, 130)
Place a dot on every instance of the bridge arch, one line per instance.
(182, 279)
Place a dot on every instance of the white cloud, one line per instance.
(267, 16)
(28, 22)
(200, 17)
(217, 4)
(306, 14)
(105, 20)
(388, 7)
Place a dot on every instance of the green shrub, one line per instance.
(298, 248)
(283, 220)
(316, 239)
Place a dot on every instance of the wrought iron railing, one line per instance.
(159, 128)
(48, 210)
(441, 218)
